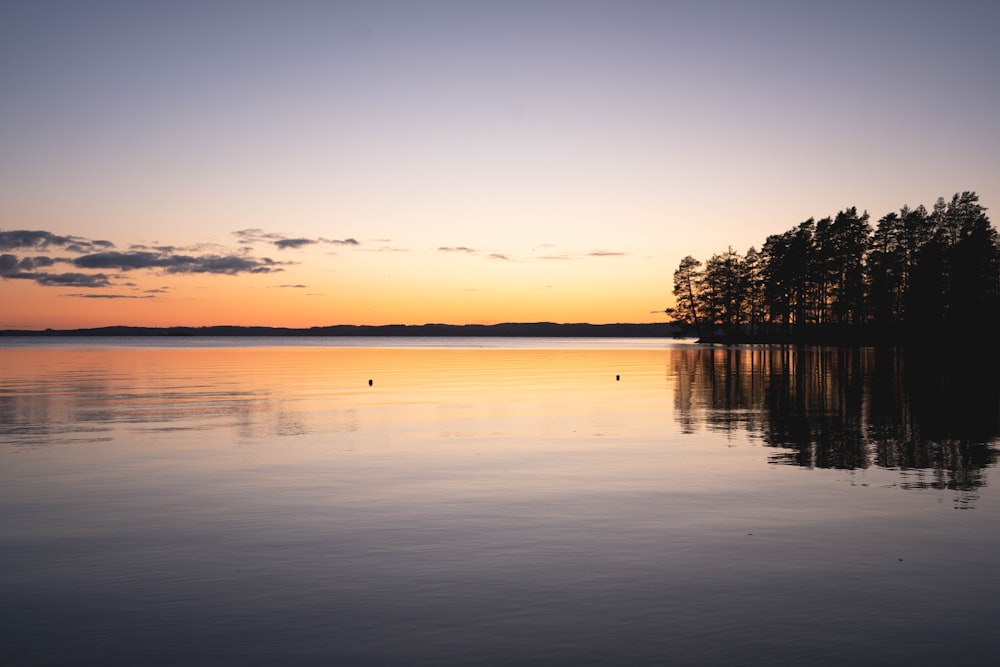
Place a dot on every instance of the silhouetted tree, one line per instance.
(916, 231)
(778, 278)
(788, 272)
(974, 264)
(885, 272)
(756, 306)
(725, 289)
(687, 291)
(821, 273)
(846, 246)
(917, 271)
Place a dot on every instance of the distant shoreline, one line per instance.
(508, 330)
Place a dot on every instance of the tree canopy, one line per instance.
(915, 276)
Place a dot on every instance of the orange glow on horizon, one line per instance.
(231, 302)
(355, 288)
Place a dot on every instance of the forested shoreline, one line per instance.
(914, 277)
(507, 329)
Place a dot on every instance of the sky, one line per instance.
(313, 163)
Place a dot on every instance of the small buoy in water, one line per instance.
(369, 383)
(617, 378)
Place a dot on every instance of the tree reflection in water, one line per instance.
(933, 416)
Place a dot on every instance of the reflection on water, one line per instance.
(936, 418)
(534, 502)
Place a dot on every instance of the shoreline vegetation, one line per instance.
(507, 330)
(917, 277)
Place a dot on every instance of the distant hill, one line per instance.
(511, 329)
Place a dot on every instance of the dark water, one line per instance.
(518, 504)
(936, 419)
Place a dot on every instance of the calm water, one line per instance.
(494, 502)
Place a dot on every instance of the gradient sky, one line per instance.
(314, 163)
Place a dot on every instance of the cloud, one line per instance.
(292, 243)
(293, 286)
(109, 296)
(32, 263)
(39, 239)
(255, 235)
(228, 265)
(386, 248)
(11, 268)
(95, 261)
(125, 261)
(91, 280)
(465, 250)
(570, 255)
(170, 263)
(24, 238)
(158, 248)
(347, 241)
(283, 241)
(89, 246)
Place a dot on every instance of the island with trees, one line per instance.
(917, 277)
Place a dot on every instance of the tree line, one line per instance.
(916, 275)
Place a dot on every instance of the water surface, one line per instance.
(492, 502)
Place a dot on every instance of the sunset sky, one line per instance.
(314, 163)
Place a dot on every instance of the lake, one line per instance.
(495, 502)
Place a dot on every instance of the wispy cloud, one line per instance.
(91, 280)
(13, 268)
(221, 264)
(41, 240)
(256, 235)
(566, 256)
(550, 256)
(109, 296)
(285, 242)
(293, 243)
(203, 248)
(98, 256)
(465, 250)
